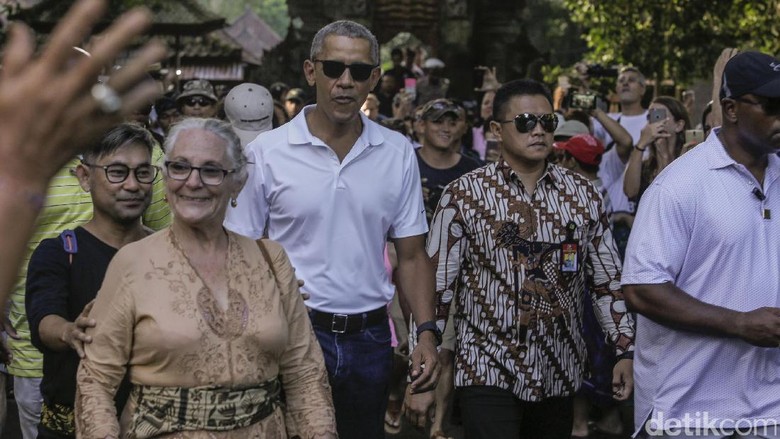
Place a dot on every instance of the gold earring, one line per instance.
(233, 202)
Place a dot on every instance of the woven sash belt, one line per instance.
(163, 410)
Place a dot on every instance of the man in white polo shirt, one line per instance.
(331, 186)
(702, 271)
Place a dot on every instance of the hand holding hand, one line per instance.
(418, 407)
(425, 368)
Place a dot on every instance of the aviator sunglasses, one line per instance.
(526, 122)
(334, 69)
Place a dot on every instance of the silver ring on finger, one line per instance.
(107, 98)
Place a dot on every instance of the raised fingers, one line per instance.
(18, 51)
(71, 31)
(107, 47)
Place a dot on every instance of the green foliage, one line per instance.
(677, 39)
(274, 12)
(551, 30)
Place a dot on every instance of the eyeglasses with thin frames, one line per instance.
(526, 122)
(209, 175)
(118, 172)
(334, 69)
(771, 106)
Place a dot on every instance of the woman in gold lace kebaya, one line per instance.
(209, 331)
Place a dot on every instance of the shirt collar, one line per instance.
(720, 159)
(552, 174)
(299, 133)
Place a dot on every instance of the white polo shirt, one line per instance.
(701, 227)
(333, 217)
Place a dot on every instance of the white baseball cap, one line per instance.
(250, 108)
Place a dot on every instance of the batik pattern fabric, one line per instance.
(498, 252)
(155, 322)
(58, 418)
(214, 408)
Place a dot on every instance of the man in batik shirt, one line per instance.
(515, 243)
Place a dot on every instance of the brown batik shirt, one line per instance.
(518, 267)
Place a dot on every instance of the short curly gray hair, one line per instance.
(344, 28)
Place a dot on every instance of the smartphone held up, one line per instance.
(656, 115)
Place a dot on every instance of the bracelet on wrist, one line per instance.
(628, 355)
(636, 147)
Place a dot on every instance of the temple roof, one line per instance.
(253, 34)
(182, 17)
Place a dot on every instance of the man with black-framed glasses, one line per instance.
(65, 272)
(332, 187)
(514, 244)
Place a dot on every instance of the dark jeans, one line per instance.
(493, 413)
(359, 367)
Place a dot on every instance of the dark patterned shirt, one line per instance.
(494, 247)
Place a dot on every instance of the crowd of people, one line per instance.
(272, 264)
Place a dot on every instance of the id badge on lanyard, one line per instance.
(569, 257)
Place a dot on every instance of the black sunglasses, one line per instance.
(358, 71)
(526, 122)
(198, 100)
(771, 106)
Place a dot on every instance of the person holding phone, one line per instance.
(664, 136)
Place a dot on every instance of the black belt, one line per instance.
(348, 323)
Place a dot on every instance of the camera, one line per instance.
(583, 101)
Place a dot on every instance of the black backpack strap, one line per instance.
(69, 243)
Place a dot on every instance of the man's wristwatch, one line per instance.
(628, 355)
(430, 326)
